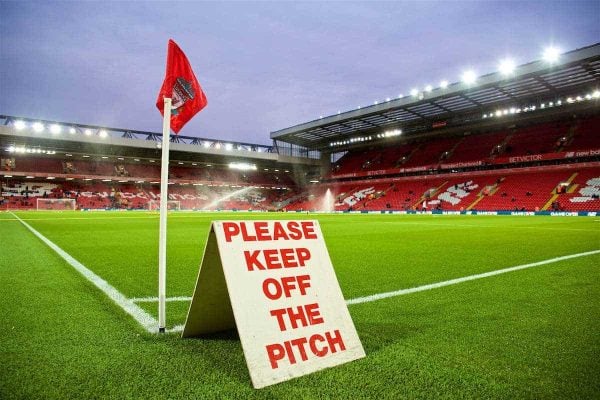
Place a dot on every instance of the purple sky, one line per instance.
(263, 66)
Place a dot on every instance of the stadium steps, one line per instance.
(451, 151)
(431, 196)
(481, 196)
(556, 195)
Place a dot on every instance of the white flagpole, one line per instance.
(162, 241)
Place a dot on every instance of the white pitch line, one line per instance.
(141, 316)
(380, 296)
(150, 324)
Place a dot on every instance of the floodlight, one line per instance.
(596, 94)
(19, 125)
(506, 67)
(469, 77)
(103, 133)
(242, 166)
(72, 131)
(414, 92)
(87, 132)
(551, 54)
(228, 146)
(38, 127)
(55, 129)
(444, 84)
(428, 88)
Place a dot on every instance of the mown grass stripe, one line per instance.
(141, 316)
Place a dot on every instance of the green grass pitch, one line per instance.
(532, 333)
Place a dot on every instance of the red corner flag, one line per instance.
(182, 87)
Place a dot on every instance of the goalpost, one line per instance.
(172, 205)
(56, 204)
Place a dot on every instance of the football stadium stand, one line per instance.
(530, 142)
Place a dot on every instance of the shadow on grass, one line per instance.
(222, 350)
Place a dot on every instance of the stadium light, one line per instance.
(87, 132)
(469, 77)
(428, 88)
(596, 94)
(72, 131)
(242, 166)
(551, 54)
(55, 129)
(506, 67)
(38, 127)
(103, 134)
(444, 84)
(19, 125)
(414, 92)
(228, 146)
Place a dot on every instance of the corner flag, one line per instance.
(182, 87)
(179, 99)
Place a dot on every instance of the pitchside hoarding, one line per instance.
(274, 281)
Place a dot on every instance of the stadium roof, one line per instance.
(572, 74)
(61, 138)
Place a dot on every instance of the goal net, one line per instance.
(56, 204)
(172, 205)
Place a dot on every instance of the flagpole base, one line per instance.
(161, 330)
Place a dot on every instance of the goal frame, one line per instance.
(172, 205)
(52, 202)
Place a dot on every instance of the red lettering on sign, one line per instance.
(295, 232)
(260, 230)
(275, 352)
(276, 258)
(274, 288)
(318, 345)
(279, 232)
(230, 229)
(245, 235)
(300, 316)
(308, 228)
(252, 260)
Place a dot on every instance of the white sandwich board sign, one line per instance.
(274, 281)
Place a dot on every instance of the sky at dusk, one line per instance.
(264, 66)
